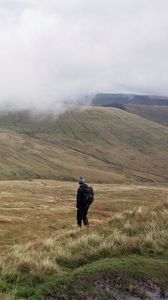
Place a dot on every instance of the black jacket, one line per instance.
(81, 195)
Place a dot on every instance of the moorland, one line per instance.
(43, 255)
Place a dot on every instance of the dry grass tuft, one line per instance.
(6, 296)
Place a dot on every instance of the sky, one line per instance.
(52, 50)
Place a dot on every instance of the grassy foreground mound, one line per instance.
(123, 255)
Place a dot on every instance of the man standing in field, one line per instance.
(85, 197)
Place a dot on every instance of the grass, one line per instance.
(31, 208)
(105, 144)
(104, 273)
(131, 243)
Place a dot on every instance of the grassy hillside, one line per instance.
(103, 144)
(44, 256)
(154, 113)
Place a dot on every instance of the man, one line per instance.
(85, 197)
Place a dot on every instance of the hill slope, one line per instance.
(154, 113)
(103, 144)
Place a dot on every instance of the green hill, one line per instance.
(103, 144)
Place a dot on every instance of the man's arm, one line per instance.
(78, 198)
(92, 192)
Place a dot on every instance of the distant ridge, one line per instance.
(125, 99)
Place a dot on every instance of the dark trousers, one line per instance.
(82, 215)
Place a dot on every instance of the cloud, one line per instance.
(52, 50)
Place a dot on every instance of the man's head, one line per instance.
(81, 180)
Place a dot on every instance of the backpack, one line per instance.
(89, 195)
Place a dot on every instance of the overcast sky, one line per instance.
(53, 49)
